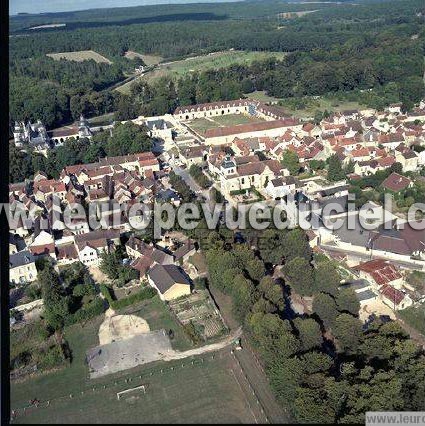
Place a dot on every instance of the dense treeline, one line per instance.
(392, 67)
(125, 15)
(325, 367)
(339, 49)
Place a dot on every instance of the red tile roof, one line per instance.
(381, 271)
(395, 182)
(392, 294)
(250, 127)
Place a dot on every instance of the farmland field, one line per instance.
(214, 60)
(79, 56)
(182, 392)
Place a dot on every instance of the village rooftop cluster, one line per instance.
(245, 164)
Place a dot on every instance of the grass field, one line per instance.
(207, 391)
(415, 317)
(81, 55)
(308, 107)
(147, 59)
(201, 63)
(201, 125)
(102, 120)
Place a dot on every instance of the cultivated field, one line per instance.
(204, 389)
(80, 56)
(201, 125)
(214, 60)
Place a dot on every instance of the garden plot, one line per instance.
(199, 310)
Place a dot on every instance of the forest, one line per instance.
(337, 49)
(324, 366)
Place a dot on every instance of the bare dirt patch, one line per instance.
(121, 327)
(98, 275)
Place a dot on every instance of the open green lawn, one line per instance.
(203, 392)
(214, 60)
(415, 317)
(147, 59)
(306, 107)
(102, 119)
(235, 119)
(201, 125)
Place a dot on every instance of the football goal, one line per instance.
(137, 389)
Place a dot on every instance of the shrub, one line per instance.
(144, 294)
(21, 360)
(52, 357)
(91, 310)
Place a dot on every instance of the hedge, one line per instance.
(145, 293)
(93, 309)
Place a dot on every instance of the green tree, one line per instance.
(347, 301)
(326, 278)
(128, 138)
(291, 162)
(299, 275)
(309, 333)
(255, 269)
(335, 171)
(324, 306)
(348, 332)
(55, 302)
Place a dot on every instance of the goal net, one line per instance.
(127, 392)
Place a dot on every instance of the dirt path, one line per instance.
(250, 365)
(204, 349)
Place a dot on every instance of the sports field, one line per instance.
(211, 389)
(201, 125)
(214, 60)
(79, 56)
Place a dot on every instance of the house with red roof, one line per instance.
(396, 183)
(379, 272)
(394, 298)
(274, 128)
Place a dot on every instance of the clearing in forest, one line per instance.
(147, 59)
(214, 60)
(79, 56)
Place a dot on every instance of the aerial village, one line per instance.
(267, 156)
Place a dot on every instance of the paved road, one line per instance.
(193, 185)
(409, 265)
